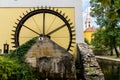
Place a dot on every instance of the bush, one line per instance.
(20, 52)
(11, 69)
(13, 66)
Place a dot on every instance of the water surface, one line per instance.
(111, 70)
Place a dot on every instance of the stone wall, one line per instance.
(51, 60)
(92, 70)
(63, 67)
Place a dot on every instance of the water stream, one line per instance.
(111, 70)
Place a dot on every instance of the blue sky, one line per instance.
(85, 6)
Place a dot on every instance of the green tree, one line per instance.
(98, 41)
(107, 14)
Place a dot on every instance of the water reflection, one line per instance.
(111, 70)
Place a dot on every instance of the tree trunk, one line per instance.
(116, 51)
(111, 52)
(115, 47)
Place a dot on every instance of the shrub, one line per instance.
(13, 66)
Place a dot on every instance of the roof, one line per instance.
(90, 29)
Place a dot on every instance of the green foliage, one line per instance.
(20, 52)
(106, 2)
(13, 66)
(99, 40)
(105, 11)
(98, 12)
(11, 69)
(7, 67)
(105, 39)
(108, 18)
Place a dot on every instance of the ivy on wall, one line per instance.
(13, 66)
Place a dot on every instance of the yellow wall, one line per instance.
(8, 17)
(88, 36)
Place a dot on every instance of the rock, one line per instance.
(50, 58)
(56, 65)
(92, 69)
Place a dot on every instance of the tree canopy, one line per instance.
(107, 14)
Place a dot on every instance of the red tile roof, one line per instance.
(90, 29)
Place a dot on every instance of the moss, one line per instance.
(90, 70)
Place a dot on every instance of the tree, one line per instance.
(98, 41)
(107, 14)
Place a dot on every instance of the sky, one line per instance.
(85, 6)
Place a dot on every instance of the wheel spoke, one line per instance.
(56, 29)
(36, 24)
(51, 24)
(31, 30)
(60, 37)
(43, 23)
(26, 36)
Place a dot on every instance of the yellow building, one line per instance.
(10, 17)
(88, 33)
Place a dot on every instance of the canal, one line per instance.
(110, 69)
